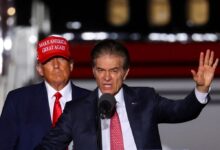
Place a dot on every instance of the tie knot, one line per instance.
(58, 95)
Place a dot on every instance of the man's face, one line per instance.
(109, 73)
(56, 71)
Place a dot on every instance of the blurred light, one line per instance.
(74, 25)
(11, 11)
(1, 64)
(1, 57)
(170, 38)
(32, 39)
(7, 43)
(101, 36)
(163, 37)
(46, 26)
(94, 36)
(1, 46)
(68, 36)
(135, 36)
(88, 36)
(10, 21)
(197, 37)
(182, 37)
(154, 36)
(210, 37)
(113, 35)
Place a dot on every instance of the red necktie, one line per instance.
(116, 133)
(57, 110)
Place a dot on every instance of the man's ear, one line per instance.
(126, 73)
(39, 69)
(71, 66)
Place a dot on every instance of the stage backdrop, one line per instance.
(149, 60)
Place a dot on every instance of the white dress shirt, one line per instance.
(66, 96)
(129, 143)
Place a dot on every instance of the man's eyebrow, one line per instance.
(109, 69)
(114, 68)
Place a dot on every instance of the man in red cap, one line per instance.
(29, 112)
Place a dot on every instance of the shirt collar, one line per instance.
(66, 91)
(119, 97)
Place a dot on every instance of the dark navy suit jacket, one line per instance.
(25, 118)
(145, 110)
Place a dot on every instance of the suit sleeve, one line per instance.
(8, 124)
(58, 137)
(177, 111)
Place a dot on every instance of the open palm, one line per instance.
(206, 70)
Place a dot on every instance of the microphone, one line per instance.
(106, 105)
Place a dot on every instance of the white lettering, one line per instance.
(48, 48)
(53, 47)
(52, 41)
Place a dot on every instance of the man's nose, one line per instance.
(55, 62)
(107, 75)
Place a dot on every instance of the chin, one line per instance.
(107, 91)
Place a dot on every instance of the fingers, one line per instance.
(201, 59)
(216, 63)
(193, 73)
(211, 58)
(207, 57)
(208, 60)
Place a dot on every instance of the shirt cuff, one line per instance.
(202, 97)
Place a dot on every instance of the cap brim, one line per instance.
(54, 55)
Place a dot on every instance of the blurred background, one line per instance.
(164, 38)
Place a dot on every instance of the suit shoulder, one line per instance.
(83, 100)
(144, 90)
(26, 89)
(23, 95)
(81, 89)
(79, 92)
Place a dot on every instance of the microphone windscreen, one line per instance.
(106, 105)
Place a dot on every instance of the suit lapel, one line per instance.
(74, 92)
(42, 104)
(45, 104)
(132, 108)
(90, 123)
(38, 119)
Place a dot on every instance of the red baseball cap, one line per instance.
(52, 46)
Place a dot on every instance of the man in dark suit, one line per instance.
(140, 109)
(28, 111)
